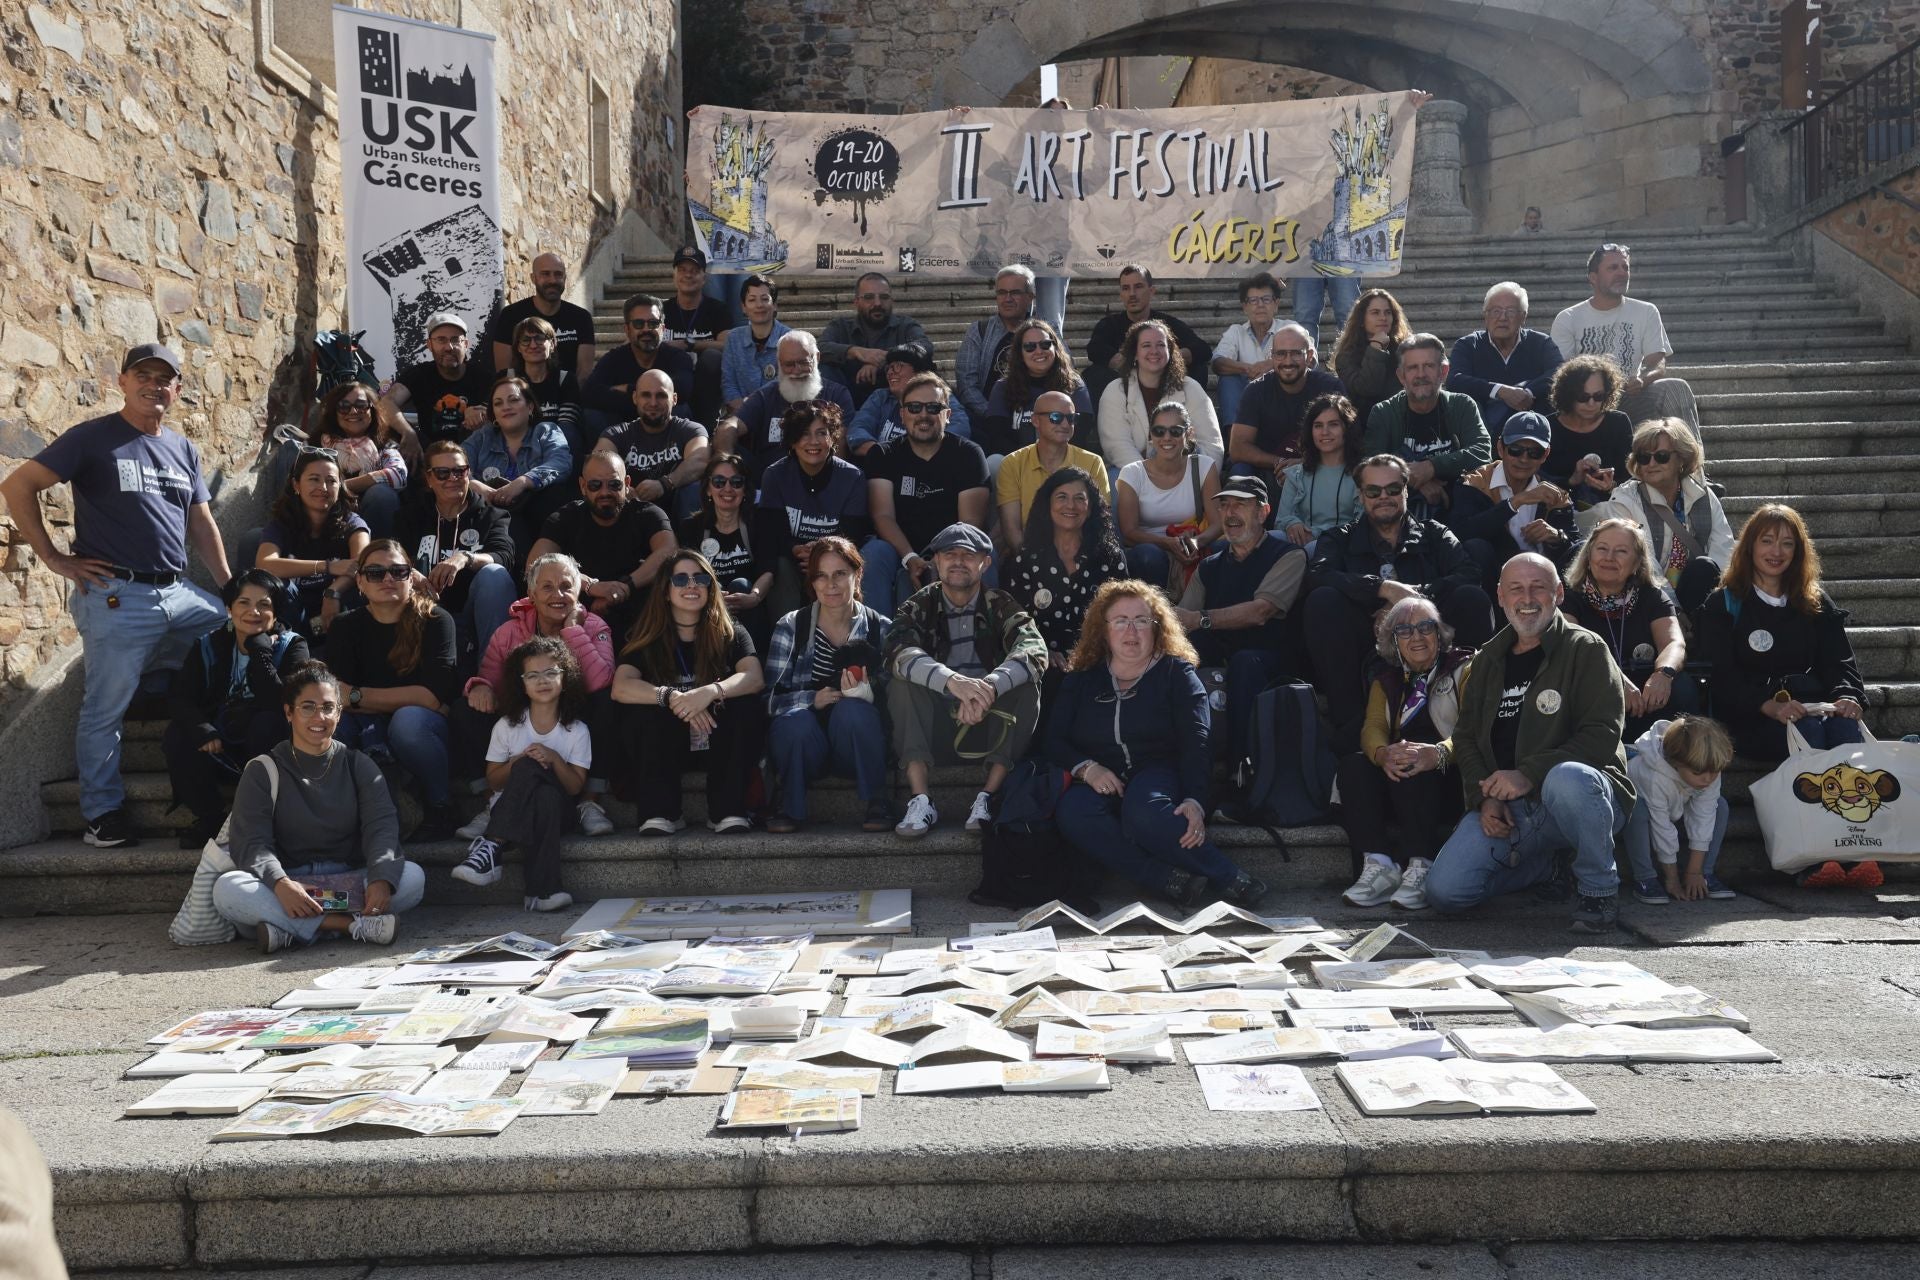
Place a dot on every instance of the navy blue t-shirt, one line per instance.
(131, 492)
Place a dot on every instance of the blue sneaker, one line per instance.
(1653, 893)
(1717, 889)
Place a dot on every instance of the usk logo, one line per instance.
(1107, 250)
(909, 260)
(381, 74)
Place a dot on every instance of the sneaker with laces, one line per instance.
(378, 930)
(1825, 876)
(662, 826)
(110, 830)
(1651, 892)
(1412, 893)
(482, 865)
(1865, 875)
(733, 823)
(272, 938)
(477, 826)
(1244, 891)
(1557, 887)
(919, 819)
(1595, 915)
(593, 819)
(1717, 889)
(552, 902)
(980, 817)
(1375, 886)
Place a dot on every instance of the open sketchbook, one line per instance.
(795, 1110)
(1573, 1043)
(1204, 918)
(831, 912)
(1424, 1087)
(430, 1117)
(1256, 1088)
(1642, 1006)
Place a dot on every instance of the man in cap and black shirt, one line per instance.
(450, 393)
(698, 325)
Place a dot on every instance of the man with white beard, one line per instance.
(1540, 759)
(754, 431)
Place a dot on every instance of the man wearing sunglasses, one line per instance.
(1505, 508)
(1364, 567)
(609, 388)
(917, 485)
(450, 393)
(1506, 367)
(620, 541)
(855, 349)
(1609, 323)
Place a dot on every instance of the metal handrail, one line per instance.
(1872, 119)
(1848, 87)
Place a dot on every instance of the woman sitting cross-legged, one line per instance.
(1403, 771)
(537, 762)
(224, 704)
(551, 608)
(687, 678)
(823, 674)
(1131, 725)
(314, 809)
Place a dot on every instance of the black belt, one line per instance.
(145, 579)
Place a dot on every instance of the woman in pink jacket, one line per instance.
(552, 608)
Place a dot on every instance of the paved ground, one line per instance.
(1831, 982)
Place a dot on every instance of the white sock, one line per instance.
(1382, 859)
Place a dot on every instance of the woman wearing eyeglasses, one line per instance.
(462, 544)
(374, 444)
(824, 671)
(1402, 778)
(1025, 470)
(1036, 361)
(809, 494)
(314, 813)
(1131, 728)
(395, 662)
(555, 392)
(687, 678)
(1152, 371)
(1684, 520)
(312, 541)
(1591, 437)
(723, 533)
(1613, 592)
(1165, 502)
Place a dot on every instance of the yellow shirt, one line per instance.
(1022, 474)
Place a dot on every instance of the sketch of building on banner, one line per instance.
(1368, 227)
(732, 224)
(452, 264)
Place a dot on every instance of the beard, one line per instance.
(794, 390)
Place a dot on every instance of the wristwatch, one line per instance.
(1668, 672)
(1206, 620)
(353, 696)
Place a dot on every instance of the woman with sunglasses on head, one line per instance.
(224, 703)
(521, 463)
(395, 662)
(1591, 437)
(312, 541)
(824, 680)
(808, 494)
(723, 531)
(555, 392)
(1321, 493)
(1165, 502)
(1152, 371)
(374, 446)
(1403, 774)
(462, 545)
(1131, 729)
(1037, 361)
(1684, 521)
(1367, 354)
(314, 809)
(1025, 470)
(687, 679)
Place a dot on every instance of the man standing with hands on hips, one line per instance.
(138, 501)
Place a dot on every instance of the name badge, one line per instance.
(1547, 701)
(1760, 641)
(1643, 653)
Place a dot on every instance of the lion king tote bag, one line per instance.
(1848, 803)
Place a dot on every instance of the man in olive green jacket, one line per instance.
(1540, 758)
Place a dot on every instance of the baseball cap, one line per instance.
(912, 354)
(690, 253)
(150, 351)
(440, 319)
(1242, 489)
(1527, 425)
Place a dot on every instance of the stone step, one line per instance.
(1893, 516)
(1887, 653)
(1726, 441)
(1893, 476)
(1869, 402)
(1853, 556)
(1799, 376)
(1877, 601)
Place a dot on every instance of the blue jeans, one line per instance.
(1638, 838)
(1050, 302)
(1137, 834)
(852, 740)
(884, 582)
(1149, 563)
(247, 903)
(1310, 294)
(490, 596)
(126, 629)
(1575, 808)
(1232, 387)
(413, 737)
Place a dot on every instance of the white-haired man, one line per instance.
(754, 431)
(978, 366)
(1506, 367)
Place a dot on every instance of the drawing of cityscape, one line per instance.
(1368, 227)
(381, 73)
(732, 224)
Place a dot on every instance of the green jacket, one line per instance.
(1580, 684)
(1472, 447)
(1006, 640)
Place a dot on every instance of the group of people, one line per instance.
(842, 560)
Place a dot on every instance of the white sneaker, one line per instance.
(735, 823)
(662, 826)
(552, 902)
(980, 817)
(478, 827)
(1412, 893)
(482, 865)
(378, 930)
(594, 820)
(1375, 886)
(920, 819)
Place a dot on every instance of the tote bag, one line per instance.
(1849, 803)
(197, 924)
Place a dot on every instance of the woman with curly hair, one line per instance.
(1366, 354)
(1131, 728)
(1152, 372)
(1321, 493)
(808, 494)
(312, 541)
(1069, 551)
(375, 448)
(1037, 361)
(1591, 437)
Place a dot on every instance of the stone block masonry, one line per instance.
(158, 181)
(1881, 227)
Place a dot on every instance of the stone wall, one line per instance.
(157, 182)
(1857, 35)
(1882, 230)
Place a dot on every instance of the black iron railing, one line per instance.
(1868, 122)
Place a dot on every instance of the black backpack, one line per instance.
(338, 358)
(1292, 763)
(1025, 861)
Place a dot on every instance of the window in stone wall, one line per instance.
(600, 143)
(293, 43)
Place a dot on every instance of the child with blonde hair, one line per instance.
(1676, 766)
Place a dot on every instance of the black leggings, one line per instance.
(533, 812)
(197, 776)
(1427, 807)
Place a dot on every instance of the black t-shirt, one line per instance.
(732, 555)
(1422, 435)
(442, 405)
(1630, 638)
(572, 329)
(1611, 440)
(359, 649)
(682, 668)
(302, 544)
(1516, 681)
(926, 491)
(652, 455)
(707, 320)
(602, 552)
(1274, 413)
(558, 395)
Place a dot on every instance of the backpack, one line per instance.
(1292, 764)
(338, 358)
(1025, 861)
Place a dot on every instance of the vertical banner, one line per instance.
(419, 178)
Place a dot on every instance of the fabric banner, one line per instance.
(1292, 188)
(419, 177)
